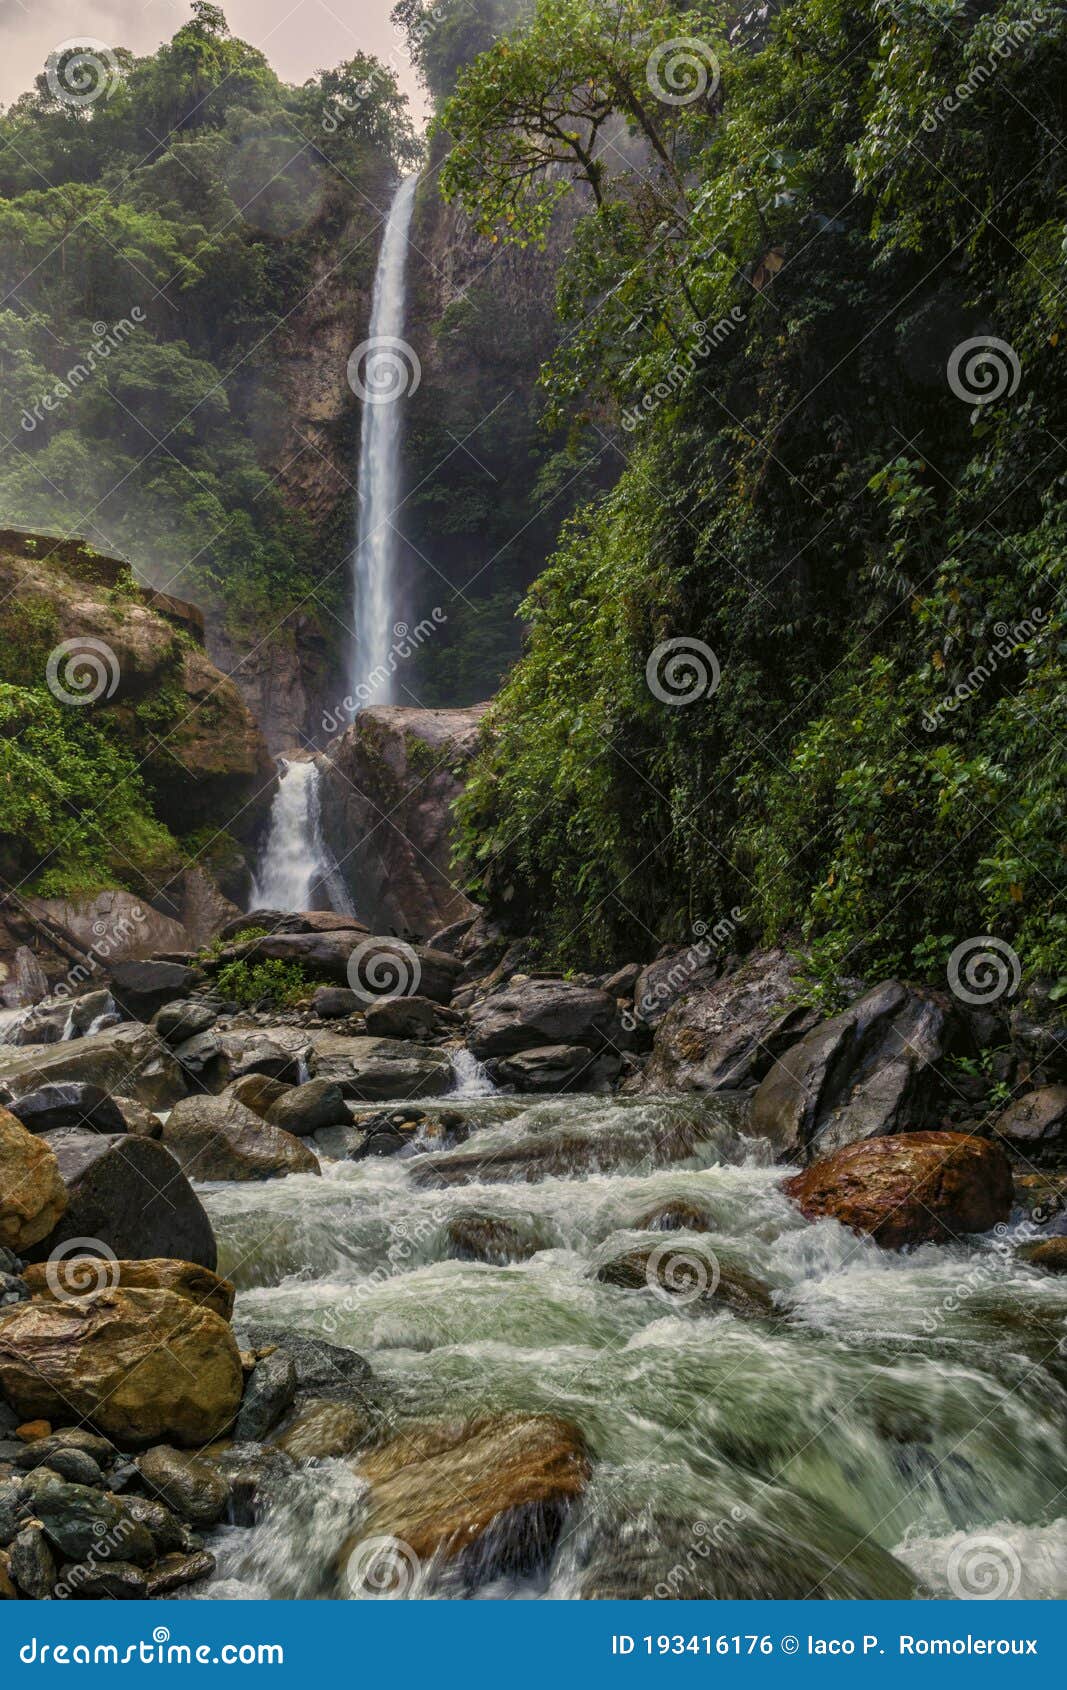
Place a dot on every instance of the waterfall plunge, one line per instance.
(386, 379)
(297, 864)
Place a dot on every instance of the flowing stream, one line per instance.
(386, 377)
(297, 869)
(896, 1417)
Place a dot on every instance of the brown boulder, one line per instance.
(217, 1138)
(61, 1279)
(321, 1429)
(725, 1034)
(32, 1194)
(142, 1366)
(913, 1188)
(495, 1490)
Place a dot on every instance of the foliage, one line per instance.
(248, 983)
(807, 495)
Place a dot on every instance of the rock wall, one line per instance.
(388, 787)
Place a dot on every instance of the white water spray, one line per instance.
(297, 863)
(385, 380)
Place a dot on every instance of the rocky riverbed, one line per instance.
(503, 1284)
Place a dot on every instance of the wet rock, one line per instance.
(334, 1003)
(101, 1449)
(910, 1189)
(1050, 1254)
(127, 1059)
(142, 988)
(321, 1429)
(138, 1118)
(676, 971)
(559, 1155)
(258, 1092)
(74, 1465)
(189, 1486)
(13, 1289)
(726, 1034)
(253, 1474)
(166, 1530)
(141, 1366)
(529, 1014)
(485, 1238)
(217, 1138)
(173, 1571)
(113, 1581)
(556, 1068)
(269, 1392)
(383, 1142)
(130, 1194)
(490, 1495)
(183, 1019)
(322, 1369)
(674, 1214)
(378, 1070)
(32, 1193)
(1036, 1122)
(304, 1109)
(278, 1053)
(197, 1284)
(689, 1277)
(32, 1564)
(8, 1593)
(12, 1494)
(80, 1523)
(408, 1018)
(339, 1143)
(623, 982)
(869, 1072)
(69, 1104)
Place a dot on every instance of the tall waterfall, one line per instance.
(297, 870)
(383, 380)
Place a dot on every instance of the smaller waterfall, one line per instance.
(297, 866)
(470, 1076)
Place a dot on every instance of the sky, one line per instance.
(298, 37)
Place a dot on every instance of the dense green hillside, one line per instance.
(857, 514)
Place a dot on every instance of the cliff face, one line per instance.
(387, 791)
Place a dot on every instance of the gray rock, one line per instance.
(13, 1290)
(304, 1109)
(379, 1070)
(527, 1014)
(270, 1391)
(335, 1003)
(189, 1486)
(258, 1092)
(688, 968)
(408, 1018)
(81, 1523)
(623, 982)
(33, 1566)
(327, 956)
(556, 1068)
(167, 1531)
(217, 1138)
(339, 1143)
(142, 988)
(183, 1019)
(69, 1103)
(174, 1571)
(130, 1194)
(1036, 1122)
(253, 1474)
(74, 1465)
(866, 1073)
(114, 1581)
(130, 1060)
(322, 1369)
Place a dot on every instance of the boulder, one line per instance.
(690, 1277)
(258, 1092)
(623, 982)
(129, 1060)
(173, 1571)
(138, 1118)
(140, 1366)
(1036, 1122)
(69, 1103)
(323, 1370)
(527, 1014)
(334, 1003)
(217, 1059)
(375, 966)
(304, 1109)
(406, 1018)
(75, 1465)
(217, 1138)
(556, 1068)
(322, 1430)
(912, 1188)
(486, 1238)
(196, 1284)
(389, 783)
(270, 1391)
(379, 1070)
(678, 971)
(32, 1193)
(142, 988)
(567, 1155)
(32, 1563)
(111, 1581)
(183, 1019)
(490, 1495)
(129, 1194)
(673, 1214)
(726, 1034)
(192, 1489)
(111, 927)
(1050, 1254)
(339, 1144)
(80, 1522)
(868, 1072)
